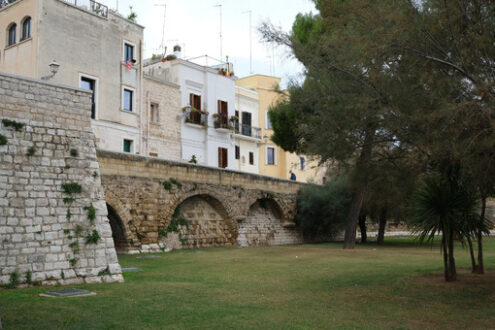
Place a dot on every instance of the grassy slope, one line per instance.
(312, 286)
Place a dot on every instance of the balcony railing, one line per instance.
(223, 122)
(5, 3)
(195, 116)
(90, 5)
(251, 131)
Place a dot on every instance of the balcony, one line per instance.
(195, 116)
(250, 131)
(91, 6)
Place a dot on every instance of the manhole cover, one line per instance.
(67, 293)
(131, 269)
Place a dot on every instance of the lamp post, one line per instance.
(54, 66)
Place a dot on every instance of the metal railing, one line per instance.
(5, 3)
(194, 116)
(222, 122)
(251, 131)
(90, 5)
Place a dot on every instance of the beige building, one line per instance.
(247, 133)
(93, 48)
(273, 160)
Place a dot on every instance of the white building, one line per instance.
(208, 108)
(248, 134)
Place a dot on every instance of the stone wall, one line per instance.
(42, 231)
(216, 202)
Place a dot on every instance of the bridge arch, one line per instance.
(265, 225)
(119, 234)
(210, 223)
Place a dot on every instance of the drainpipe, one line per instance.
(141, 138)
(148, 121)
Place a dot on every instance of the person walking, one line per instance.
(292, 176)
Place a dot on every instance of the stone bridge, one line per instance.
(222, 207)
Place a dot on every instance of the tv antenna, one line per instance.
(221, 46)
(163, 48)
(250, 41)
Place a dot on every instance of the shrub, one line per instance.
(322, 210)
(31, 151)
(167, 185)
(3, 140)
(13, 280)
(15, 125)
(72, 188)
(91, 211)
(74, 152)
(177, 183)
(93, 238)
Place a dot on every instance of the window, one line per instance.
(128, 145)
(237, 152)
(128, 100)
(11, 34)
(129, 53)
(302, 163)
(26, 28)
(268, 122)
(246, 123)
(270, 155)
(154, 112)
(223, 161)
(90, 85)
(251, 158)
(195, 101)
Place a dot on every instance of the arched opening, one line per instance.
(11, 34)
(26, 28)
(263, 226)
(208, 223)
(118, 230)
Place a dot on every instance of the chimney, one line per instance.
(177, 51)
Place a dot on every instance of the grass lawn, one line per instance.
(397, 286)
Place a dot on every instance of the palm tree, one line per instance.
(445, 205)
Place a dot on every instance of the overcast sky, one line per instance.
(195, 25)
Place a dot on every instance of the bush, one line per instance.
(3, 140)
(322, 210)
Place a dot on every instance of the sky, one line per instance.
(195, 25)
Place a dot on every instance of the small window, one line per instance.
(251, 158)
(223, 109)
(154, 112)
(268, 122)
(11, 34)
(26, 28)
(302, 163)
(90, 85)
(128, 145)
(128, 100)
(223, 160)
(237, 152)
(270, 155)
(128, 53)
(195, 101)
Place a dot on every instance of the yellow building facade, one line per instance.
(273, 160)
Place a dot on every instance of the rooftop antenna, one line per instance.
(250, 41)
(221, 46)
(163, 49)
(117, 5)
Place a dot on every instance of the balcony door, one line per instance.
(246, 123)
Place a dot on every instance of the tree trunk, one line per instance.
(358, 196)
(452, 273)
(362, 228)
(353, 217)
(471, 253)
(480, 268)
(381, 226)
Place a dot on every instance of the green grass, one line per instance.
(397, 286)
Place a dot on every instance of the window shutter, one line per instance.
(198, 102)
(220, 157)
(191, 100)
(219, 107)
(225, 158)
